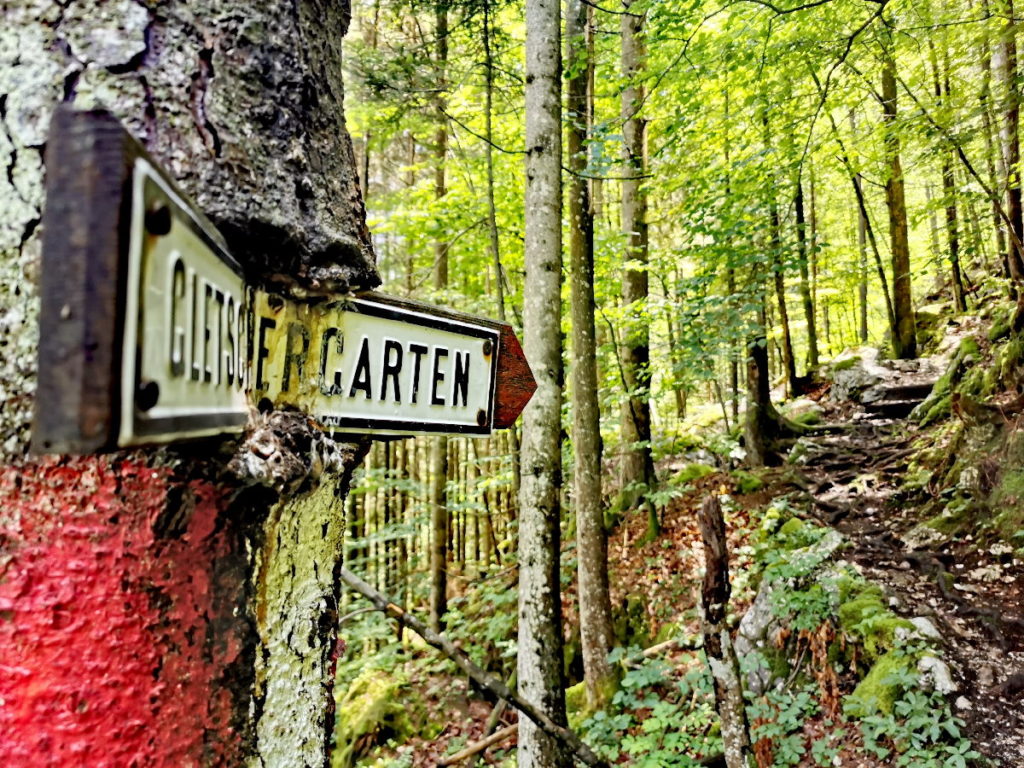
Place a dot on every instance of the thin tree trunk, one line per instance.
(778, 271)
(862, 283)
(858, 191)
(949, 185)
(592, 545)
(987, 61)
(540, 661)
(805, 282)
(637, 478)
(439, 515)
(730, 271)
(1010, 139)
(492, 212)
(904, 340)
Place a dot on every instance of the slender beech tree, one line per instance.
(1010, 139)
(806, 288)
(592, 543)
(779, 269)
(439, 514)
(904, 338)
(941, 82)
(862, 274)
(540, 673)
(637, 467)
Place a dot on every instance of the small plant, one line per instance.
(920, 732)
(658, 718)
(777, 721)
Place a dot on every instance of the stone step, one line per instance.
(917, 391)
(891, 409)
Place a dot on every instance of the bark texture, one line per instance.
(594, 596)
(540, 620)
(637, 467)
(904, 339)
(725, 668)
(216, 563)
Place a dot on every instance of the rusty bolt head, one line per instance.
(488, 346)
(481, 417)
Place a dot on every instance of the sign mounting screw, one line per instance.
(488, 346)
(147, 394)
(158, 219)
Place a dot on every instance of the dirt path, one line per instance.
(972, 593)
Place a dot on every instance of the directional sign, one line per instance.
(149, 332)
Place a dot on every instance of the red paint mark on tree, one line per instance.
(108, 655)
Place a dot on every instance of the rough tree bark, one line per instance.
(540, 615)
(725, 668)
(592, 544)
(806, 288)
(637, 468)
(197, 586)
(779, 272)
(1009, 134)
(440, 517)
(904, 338)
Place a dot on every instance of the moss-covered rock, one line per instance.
(691, 472)
(576, 705)
(937, 405)
(629, 623)
(1002, 317)
(1008, 501)
(375, 708)
(865, 617)
(747, 482)
(880, 688)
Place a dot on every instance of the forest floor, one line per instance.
(972, 594)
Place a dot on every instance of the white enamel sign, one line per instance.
(201, 349)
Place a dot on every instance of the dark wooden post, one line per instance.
(715, 593)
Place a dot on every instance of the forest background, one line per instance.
(751, 188)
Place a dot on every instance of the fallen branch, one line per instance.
(479, 746)
(463, 662)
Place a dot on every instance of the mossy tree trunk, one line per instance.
(206, 582)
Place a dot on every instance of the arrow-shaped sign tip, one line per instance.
(515, 382)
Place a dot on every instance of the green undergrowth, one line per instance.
(967, 463)
(841, 670)
(376, 708)
(837, 654)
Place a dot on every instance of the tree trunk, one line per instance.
(440, 518)
(949, 187)
(492, 212)
(637, 476)
(778, 272)
(725, 668)
(592, 544)
(904, 340)
(186, 573)
(761, 427)
(805, 282)
(1010, 139)
(539, 660)
(862, 283)
(993, 159)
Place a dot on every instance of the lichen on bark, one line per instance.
(242, 104)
